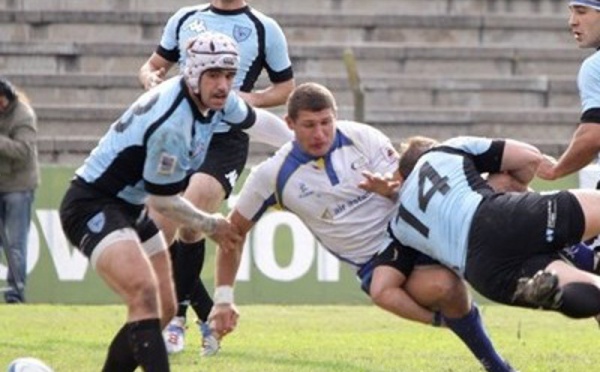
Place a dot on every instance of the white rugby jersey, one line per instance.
(323, 192)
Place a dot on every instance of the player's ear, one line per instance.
(289, 121)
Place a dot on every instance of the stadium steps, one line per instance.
(341, 6)
(68, 133)
(436, 67)
(380, 90)
(398, 122)
(309, 58)
(455, 29)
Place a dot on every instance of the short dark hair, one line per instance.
(7, 90)
(411, 151)
(309, 97)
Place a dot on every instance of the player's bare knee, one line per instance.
(378, 295)
(168, 311)
(205, 192)
(449, 289)
(143, 296)
(189, 236)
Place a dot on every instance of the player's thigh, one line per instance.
(205, 192)
(123, 265)
(161, 263)
(567, 273)
(430, 284)
(589, 201)
(225, 161)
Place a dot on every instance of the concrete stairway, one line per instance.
(439, 67)
(293, 6)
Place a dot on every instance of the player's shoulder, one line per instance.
(592, 62)
(185, 10)
(264, 18)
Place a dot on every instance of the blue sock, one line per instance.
(470, 330)
(581, 256)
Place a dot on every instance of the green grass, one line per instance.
(308, 338)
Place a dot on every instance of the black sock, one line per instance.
(201, 301)
(148, 345)
(580, 300)
(187, 264)
(120, 356)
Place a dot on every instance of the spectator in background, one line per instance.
(262, 46)
(19, 177)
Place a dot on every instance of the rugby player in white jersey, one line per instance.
(317, 177)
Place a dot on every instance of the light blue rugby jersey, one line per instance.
(157, 142)
(440, 197)
(260, 39)
(588, 82)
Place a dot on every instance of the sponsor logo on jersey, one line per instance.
(390, 154)
(197, 26)
(166, 164)
(304, 191)
(358, 164)
(327, 215)
(241, 33)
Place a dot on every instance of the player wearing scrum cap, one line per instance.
(146, 158)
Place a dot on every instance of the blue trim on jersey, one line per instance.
(269, 202)
(340, 141)
(260, 61)
(290, 164)
(297, 157)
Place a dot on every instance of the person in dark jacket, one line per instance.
(19, 178)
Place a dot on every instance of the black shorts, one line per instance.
(516, 234)
(87, 216)
(400, 258)
(226, 158)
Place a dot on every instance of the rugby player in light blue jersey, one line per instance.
(585, 144)
(262, 46)
(494, 240)
(146, 157)
(584, 148)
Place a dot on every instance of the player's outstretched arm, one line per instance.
(224, 314)
(154, 71)
(183, 212)
(270, 129)
(582, 150)
(274, 95)
(521, 160)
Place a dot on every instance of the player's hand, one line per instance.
(223, 319)
(154, 78)
(385, 185)
(225, 235)
(547, 168)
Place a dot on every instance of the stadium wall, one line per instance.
(282, 262)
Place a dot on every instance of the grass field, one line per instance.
(308, 338)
